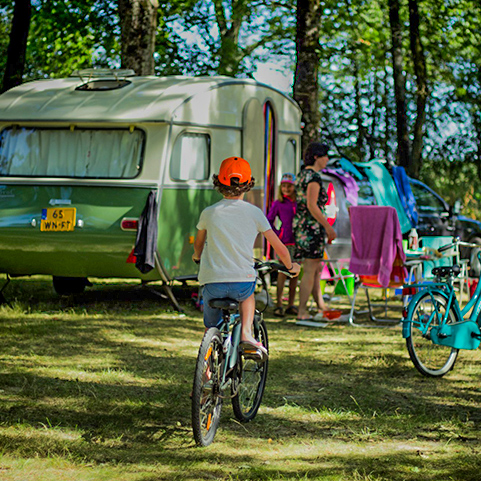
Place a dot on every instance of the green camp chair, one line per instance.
(448, 258)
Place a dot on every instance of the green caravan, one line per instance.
(81, 156)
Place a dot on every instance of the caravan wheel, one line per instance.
(64, 286)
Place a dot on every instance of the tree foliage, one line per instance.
(439, 47)
(70, 35)
(229, 37)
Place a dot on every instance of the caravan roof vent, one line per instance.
(103, 72)
(104, 85)
(103, 78)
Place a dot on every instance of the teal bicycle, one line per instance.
(434, 325)
(226, 369)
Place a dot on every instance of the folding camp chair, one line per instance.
(447, 258)
(377, 255)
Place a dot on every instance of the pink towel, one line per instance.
(376, 241)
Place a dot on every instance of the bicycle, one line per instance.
(434, 325)
(226, 370)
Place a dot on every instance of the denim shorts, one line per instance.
(239, 291)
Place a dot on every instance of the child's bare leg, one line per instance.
(281, 280)
(247, 310)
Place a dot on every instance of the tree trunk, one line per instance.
(403, 156)
(387, 115)
(17, 46)
(358, 113)
(375, 143)
(230, 56)
(306, 86)
(476, 119)
(421, 90)
(138, 24)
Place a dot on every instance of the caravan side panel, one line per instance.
(98, 248)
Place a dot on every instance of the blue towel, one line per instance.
(405, 194)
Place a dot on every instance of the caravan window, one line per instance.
(80, 153)
(190, 157)
(288, 160)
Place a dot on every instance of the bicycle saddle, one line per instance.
(224, 303)
(447, 271)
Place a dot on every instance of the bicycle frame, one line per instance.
(231, 342)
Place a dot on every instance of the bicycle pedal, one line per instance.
(252, 354)
(255, 355)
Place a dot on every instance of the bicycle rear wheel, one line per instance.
(206, 400)
(252, 376)
(432, 360)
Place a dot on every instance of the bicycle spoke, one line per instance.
(248, 398)
(250, 382)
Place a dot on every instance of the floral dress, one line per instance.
(309, 234)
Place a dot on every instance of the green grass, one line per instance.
(96, 387)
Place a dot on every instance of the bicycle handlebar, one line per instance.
(457, 243)
(264, 267)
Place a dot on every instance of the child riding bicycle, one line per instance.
(224, 246)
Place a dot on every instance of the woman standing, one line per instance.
(311, 226)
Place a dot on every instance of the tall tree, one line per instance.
(230, 55)
(232, 36)
(138, 24)
(306, 82)
(403, 154)
(421, 88)
(17, 47)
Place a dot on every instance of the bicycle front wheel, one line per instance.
(252, 381)
(206, 400)
(432, 360)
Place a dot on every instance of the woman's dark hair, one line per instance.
(233, 190)
(315, 149)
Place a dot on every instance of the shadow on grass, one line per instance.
(108, 382)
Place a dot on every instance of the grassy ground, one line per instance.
(96, 388)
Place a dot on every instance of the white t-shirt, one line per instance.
(232, 227)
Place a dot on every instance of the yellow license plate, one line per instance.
(58, 219)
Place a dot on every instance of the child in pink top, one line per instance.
(284, 209)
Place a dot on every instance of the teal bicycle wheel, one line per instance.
(432, 360)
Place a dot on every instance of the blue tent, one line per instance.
(385, 190)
